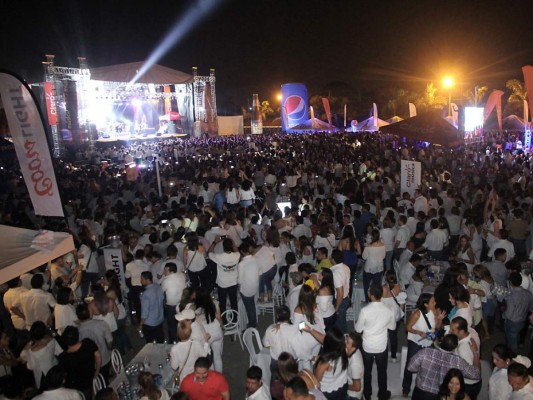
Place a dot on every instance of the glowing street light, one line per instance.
(279, 97)
(448, 82)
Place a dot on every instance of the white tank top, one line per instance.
(422, 326)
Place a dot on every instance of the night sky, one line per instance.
(255, 46)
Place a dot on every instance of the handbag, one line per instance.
(177, 377)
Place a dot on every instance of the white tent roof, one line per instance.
(368, 125)
(24, 249)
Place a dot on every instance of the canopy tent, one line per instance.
(510, 123)
(394, 119)
(25, 249)
(368, 125)
(156, 74)
(428, 127)
(313, 124)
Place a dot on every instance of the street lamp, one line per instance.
(448, 82)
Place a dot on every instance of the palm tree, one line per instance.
(515, 102)
(476, 96)
(430, 100)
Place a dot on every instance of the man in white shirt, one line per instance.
(248, 278)
(435, 241)
(503, 243)
(133, 273)
(14, 292)
(421, 203)
(35, 304)
(173, 284)
(388, 234)
(375, 319)
(227, 275)
(408, 269)
(459, 327)
(403, 234)
(255, 388)
(520, 381)
(341, 280)
(216, 230)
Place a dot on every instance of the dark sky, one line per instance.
(255, 45)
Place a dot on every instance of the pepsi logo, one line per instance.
(295, 107)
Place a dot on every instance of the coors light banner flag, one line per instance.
(29, 137)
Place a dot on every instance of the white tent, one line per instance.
(368, 125)
(23, 249)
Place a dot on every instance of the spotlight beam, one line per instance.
(196, 13)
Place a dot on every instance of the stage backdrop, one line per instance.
(228, 126)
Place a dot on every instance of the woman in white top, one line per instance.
(394, 298)
(356, 368)
(184, 354)
(502, 357)
(194, 261)
(234, 228)
(40, 353)
(247, 194)
(208, 314)
(459, 298)
(416, 284)
(232, 195)
(421, 322)
(373, 254)
(308, 345)
(325, 238)
(465, 253)
(325, 298)
(148, 389)
(331, 368)
(64, 311)
(488, 302)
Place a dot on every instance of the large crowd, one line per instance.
(295, 222)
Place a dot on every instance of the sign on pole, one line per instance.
(410, 176)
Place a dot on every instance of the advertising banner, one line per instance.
(51, 108)
(113, 260)
(29, 137)
(410, 177)
(294, 105)
(327, 108)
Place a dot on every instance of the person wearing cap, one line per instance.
(198, 332)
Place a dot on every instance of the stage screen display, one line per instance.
(473, 118)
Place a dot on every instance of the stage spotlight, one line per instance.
(199, 10)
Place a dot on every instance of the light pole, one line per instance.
(475, 95)
(448, 82)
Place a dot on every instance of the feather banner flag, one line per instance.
(29, 138)
(494, 100)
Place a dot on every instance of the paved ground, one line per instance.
(236, 359)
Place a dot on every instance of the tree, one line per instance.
(266, 110)
(430, 100)
(515, 102)
(476, 96)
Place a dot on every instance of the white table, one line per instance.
(152, 355)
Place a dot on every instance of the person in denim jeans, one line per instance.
(341, 280)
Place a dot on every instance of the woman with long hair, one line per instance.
(373, 254)
(287, 368)
(64, 311)
(459, 299)
(194, 261)
(148, 389)
(416, 284)
(40, 352)
(356, 368)
(87, 257)
(419, 237)
(465, 253)
(351, 250)
(394, 298)
(325, 238)
(306, 253)
(453, 386)
(502, 357)
(208, 313)
(421, 326)
(331, 367)
(326, 298)
(307, 311)
(488, 304)
(442, 291)
(247, 194)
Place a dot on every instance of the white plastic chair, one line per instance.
(248, 339)
(116, 361)
(98, 383)
(232, 325)
(278, 299)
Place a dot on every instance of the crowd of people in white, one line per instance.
(296, 222)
